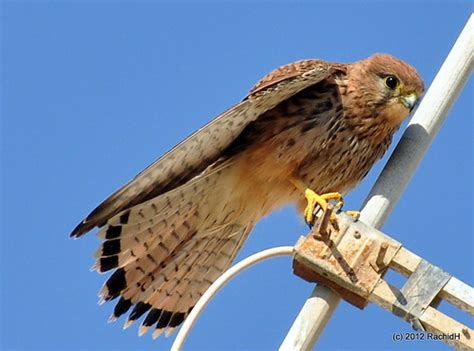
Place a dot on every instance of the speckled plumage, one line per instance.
(172, 230)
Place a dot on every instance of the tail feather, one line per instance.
(168, 250)
(127, 249)
(162, 298)
(186, 292)
(173, 272)
(170, 294)
(160, 219)
(136, 272)
(193, 272)
(126, 241)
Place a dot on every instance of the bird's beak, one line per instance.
(409, 101)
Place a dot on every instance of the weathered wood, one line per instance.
(347, 256)
(455, 291)
(386, 296)
(405, 262)
(459, 294)
(447, 329)
(420, 290)
(352, 257)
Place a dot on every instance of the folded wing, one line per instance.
(193, 155)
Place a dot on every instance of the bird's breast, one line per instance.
(307, 137)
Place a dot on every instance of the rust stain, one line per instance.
(342, 257)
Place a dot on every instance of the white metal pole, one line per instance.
(394, 178)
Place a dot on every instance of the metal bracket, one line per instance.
(351, 258)
(346, 255)
(419, 291)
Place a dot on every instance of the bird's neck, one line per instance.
(371, 128)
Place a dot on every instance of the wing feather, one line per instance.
(201, 149)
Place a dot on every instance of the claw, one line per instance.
(353, 214)
(315, 200)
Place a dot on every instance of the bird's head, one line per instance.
(389, 85)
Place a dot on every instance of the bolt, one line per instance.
(323, 231)
(381, 255)
(357, 235)
(465, 331)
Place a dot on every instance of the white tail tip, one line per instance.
(157, 333)
(127, 324)
(169, 331)
(142, 330)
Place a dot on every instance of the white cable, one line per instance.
(219, 284)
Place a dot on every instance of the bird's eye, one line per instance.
(391, 82)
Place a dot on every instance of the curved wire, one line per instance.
(219, 284)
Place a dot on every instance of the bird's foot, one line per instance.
(353, 214)
(321, 201)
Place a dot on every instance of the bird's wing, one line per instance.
(288, 72)
(198, 151)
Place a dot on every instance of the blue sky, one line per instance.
(92, 92)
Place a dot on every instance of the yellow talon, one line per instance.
(312, 198)
(315, 199)
(353, 214)
(321, 200)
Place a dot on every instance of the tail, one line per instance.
(168, 250)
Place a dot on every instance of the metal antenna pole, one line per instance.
(394, 178)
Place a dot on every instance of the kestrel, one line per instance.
(306, 133)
